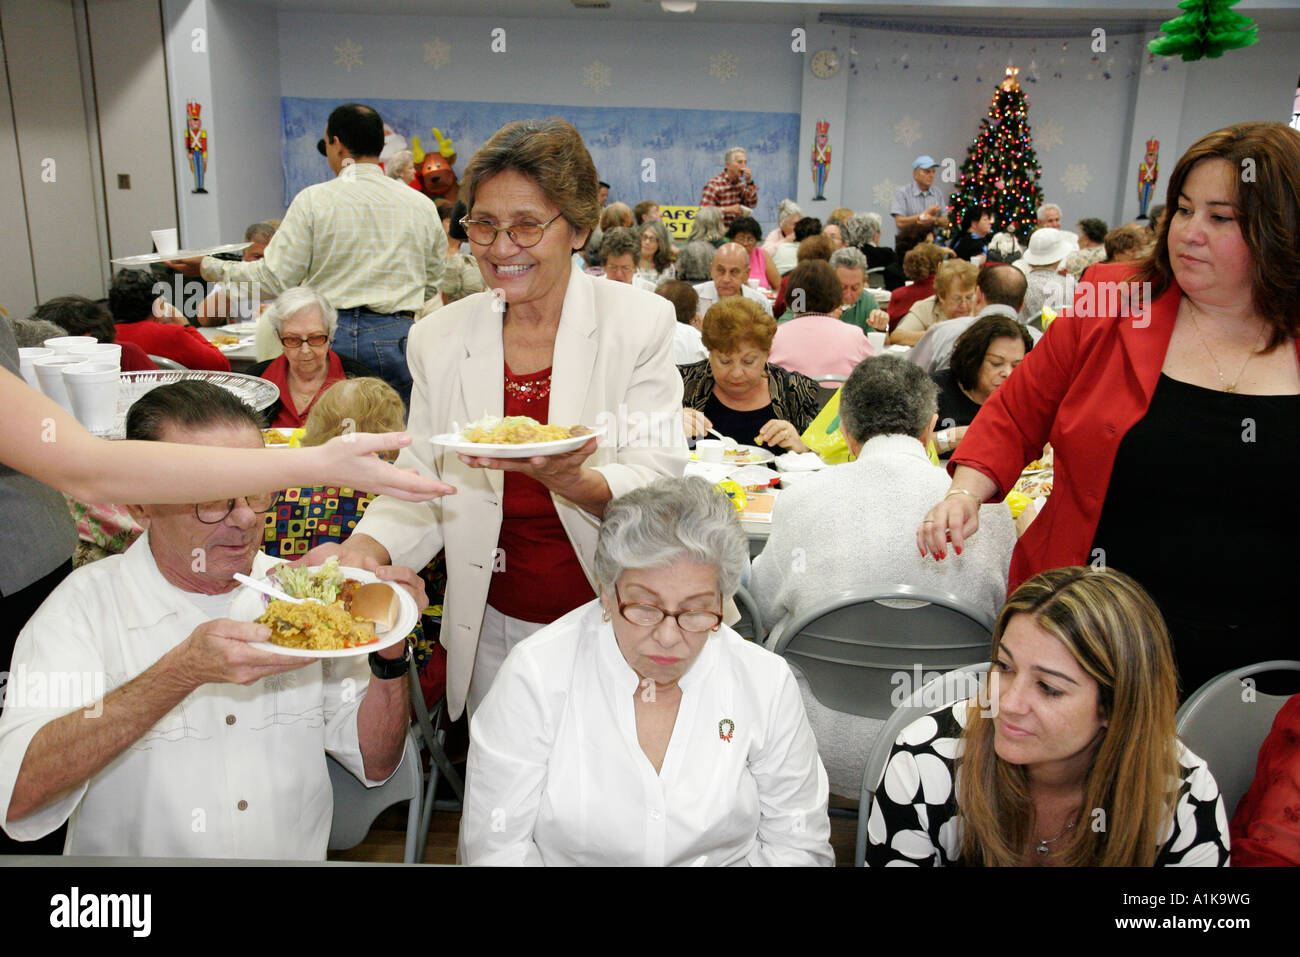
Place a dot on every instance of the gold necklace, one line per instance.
(1200, 335)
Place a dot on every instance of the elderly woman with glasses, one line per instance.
(545, 341)
(640, 730)
(304, 323)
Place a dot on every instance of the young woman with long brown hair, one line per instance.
(1071, 759)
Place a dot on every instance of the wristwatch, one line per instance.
(388, 669)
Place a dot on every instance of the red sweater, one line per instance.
(1266, 827)
(184, 344)
(905, 297)
(1082, 387)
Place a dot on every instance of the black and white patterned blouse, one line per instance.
(915, 820)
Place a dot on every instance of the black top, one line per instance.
(741, 426)
(971, 245)
(795, 397)
(1191, 512)
(955, 407)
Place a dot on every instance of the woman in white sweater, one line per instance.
(855, 524)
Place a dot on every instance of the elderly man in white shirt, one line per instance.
(169, 736)
(855, 525)
(640, 730)
(730, 270)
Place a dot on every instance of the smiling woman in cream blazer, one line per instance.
(546, 341)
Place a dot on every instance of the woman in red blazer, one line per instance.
(1168, 419)
(137, 308)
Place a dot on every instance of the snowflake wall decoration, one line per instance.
(1076, 178)
(882, 194)
(596, 76)
(723, 66)
(907, 131)
(347, 55)
(1049, 135)
(437, 53)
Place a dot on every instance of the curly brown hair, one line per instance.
(551, 153)
(735, 321)
(922, 261)
(1267, 203)
(815, 247)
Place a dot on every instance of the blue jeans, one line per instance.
(379, 341)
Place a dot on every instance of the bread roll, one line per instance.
(377, 602)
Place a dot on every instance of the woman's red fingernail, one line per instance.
(939, 556)
(957, 549)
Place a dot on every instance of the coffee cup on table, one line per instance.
(26, 356)
(49, 373)
(709, 450)
(64, 344)
(92, 389)
(165, 241)
(110, 352)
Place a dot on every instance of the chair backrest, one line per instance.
(939, 692)
(852, 647)
(1225, 721)
(876, 278)
(356, 806)
(751, 620)
(162, 362)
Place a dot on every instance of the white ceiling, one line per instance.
(1116, 13)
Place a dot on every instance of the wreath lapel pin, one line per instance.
(726, 727)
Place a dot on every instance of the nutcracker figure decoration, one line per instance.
(196, 145)
(1148, 173)
(821, 158)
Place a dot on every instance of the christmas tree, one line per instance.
(1207, 28)
(1001, 171)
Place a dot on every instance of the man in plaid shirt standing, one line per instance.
(372, 246)
(733, 189)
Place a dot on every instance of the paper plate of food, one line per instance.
(349, 611)
(515, 437)
(736, 455)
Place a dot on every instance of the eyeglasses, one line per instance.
(214, 513)
(295, 342)
(647, 615)
(523, 235)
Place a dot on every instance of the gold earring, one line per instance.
(604, 616)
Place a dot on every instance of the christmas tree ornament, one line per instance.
(1207, 28)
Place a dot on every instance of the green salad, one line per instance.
(322, 582)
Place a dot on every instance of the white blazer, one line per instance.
(613, 365)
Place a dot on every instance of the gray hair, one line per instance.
(668, 521)
(293, 301)
(849, 257)
(399, 163)
(887, 395)
(31, 333)
(1045, 207)
(862, 228)
(787, 208)
(726, 157)
(620, 241)
(259, 233)
(694, 260)
(708, 224)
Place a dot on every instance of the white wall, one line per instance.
(130, 84)
(53, 149)
(245, 56)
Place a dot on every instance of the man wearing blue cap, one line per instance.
(919, 201)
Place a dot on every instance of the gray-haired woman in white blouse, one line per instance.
(640, 730)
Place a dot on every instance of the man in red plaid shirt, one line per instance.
(733, 189)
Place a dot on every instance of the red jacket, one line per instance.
(905, 297)
(185, 344)
(1082, 387)
(1266, 827)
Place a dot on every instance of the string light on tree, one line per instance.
(1001, 171)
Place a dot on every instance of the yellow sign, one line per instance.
(678, 220)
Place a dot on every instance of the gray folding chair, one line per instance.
(162, 362)
(1225, 726)
(828, 384)
(852, 646)
(356, 806)
(751, 620)
(942, 691)
(432, 738)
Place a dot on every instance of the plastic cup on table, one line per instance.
(877, 341)
(64, 344)
(165, 241)
(49, 373)
(92, 389)
(26, 356)
(709, 450)
(100, 352)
